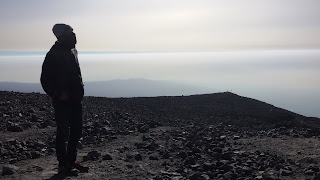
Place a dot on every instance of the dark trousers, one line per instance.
(68, 116)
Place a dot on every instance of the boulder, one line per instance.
(9, 169)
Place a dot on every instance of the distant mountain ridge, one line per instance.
(119, 88)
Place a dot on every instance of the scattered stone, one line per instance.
(14, 127)
(309, 172)
(107, 157)
(222, 138)
(34, 118)
(13, 160)
(144, 128)
(316, 176)
(35, 154)
(37, 168)
(285, 172)
(217, 149)
(138, 157)
(9, 169)
(39, 144)
(207, 166)
(189, 161)
(236, 137)
(195, 167)
(169, 173)
(154, 157)
(129, 166)
(196, 176)
(182, 154)
(92, 155)
(31, 111)
(186, 146)
(79, 145)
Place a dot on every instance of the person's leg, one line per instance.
(62, 116)
(75, 131)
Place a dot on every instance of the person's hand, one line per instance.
(64, 96)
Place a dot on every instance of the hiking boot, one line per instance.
(80, 167)
(64, 169)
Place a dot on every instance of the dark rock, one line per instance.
(34, 118)
(308, 160)
(13, 160)
(38, 168)
(196, 150)
(26, 125)
(309, 172)
(316, 176)
(153, 124)
(223, 138)
(14, 127)
(129, 166)
(92, 155)
(147, 145)
(138, 157)
(285, 172)
(31, 111)
(195, 167)
(182, 154)
(165, 163)
(44, 124)
(207, 166)
(35, 154)
(147, 138)
(247, 170)
(144, 128)
(311, 169)
(9, 169)
(279, 166)
(189, 161)
(39, 144)
(154, 157)
(217, 149)
(12, 141)
(230, 175)
(129, 156)
(227, 155)
(189, 144)
(236, 137)
(270, 176)
(226, 167)
(166, 155)
(79, 145)
(107, 157)
(196, 176)
(205, 177)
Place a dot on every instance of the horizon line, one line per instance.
(20, 53)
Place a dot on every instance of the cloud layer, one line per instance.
(150, 25)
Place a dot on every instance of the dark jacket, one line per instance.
(61, 73)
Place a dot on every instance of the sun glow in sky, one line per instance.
(162, 25)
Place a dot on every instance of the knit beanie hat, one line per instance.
(61, 29)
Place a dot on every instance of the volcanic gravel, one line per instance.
(211, 136)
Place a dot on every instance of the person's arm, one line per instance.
(47, 78)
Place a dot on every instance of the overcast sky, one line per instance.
(162, 25)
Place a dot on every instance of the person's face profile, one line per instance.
(69, 38)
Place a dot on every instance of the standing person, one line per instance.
(61, 80)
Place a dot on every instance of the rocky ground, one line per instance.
(213, 136)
